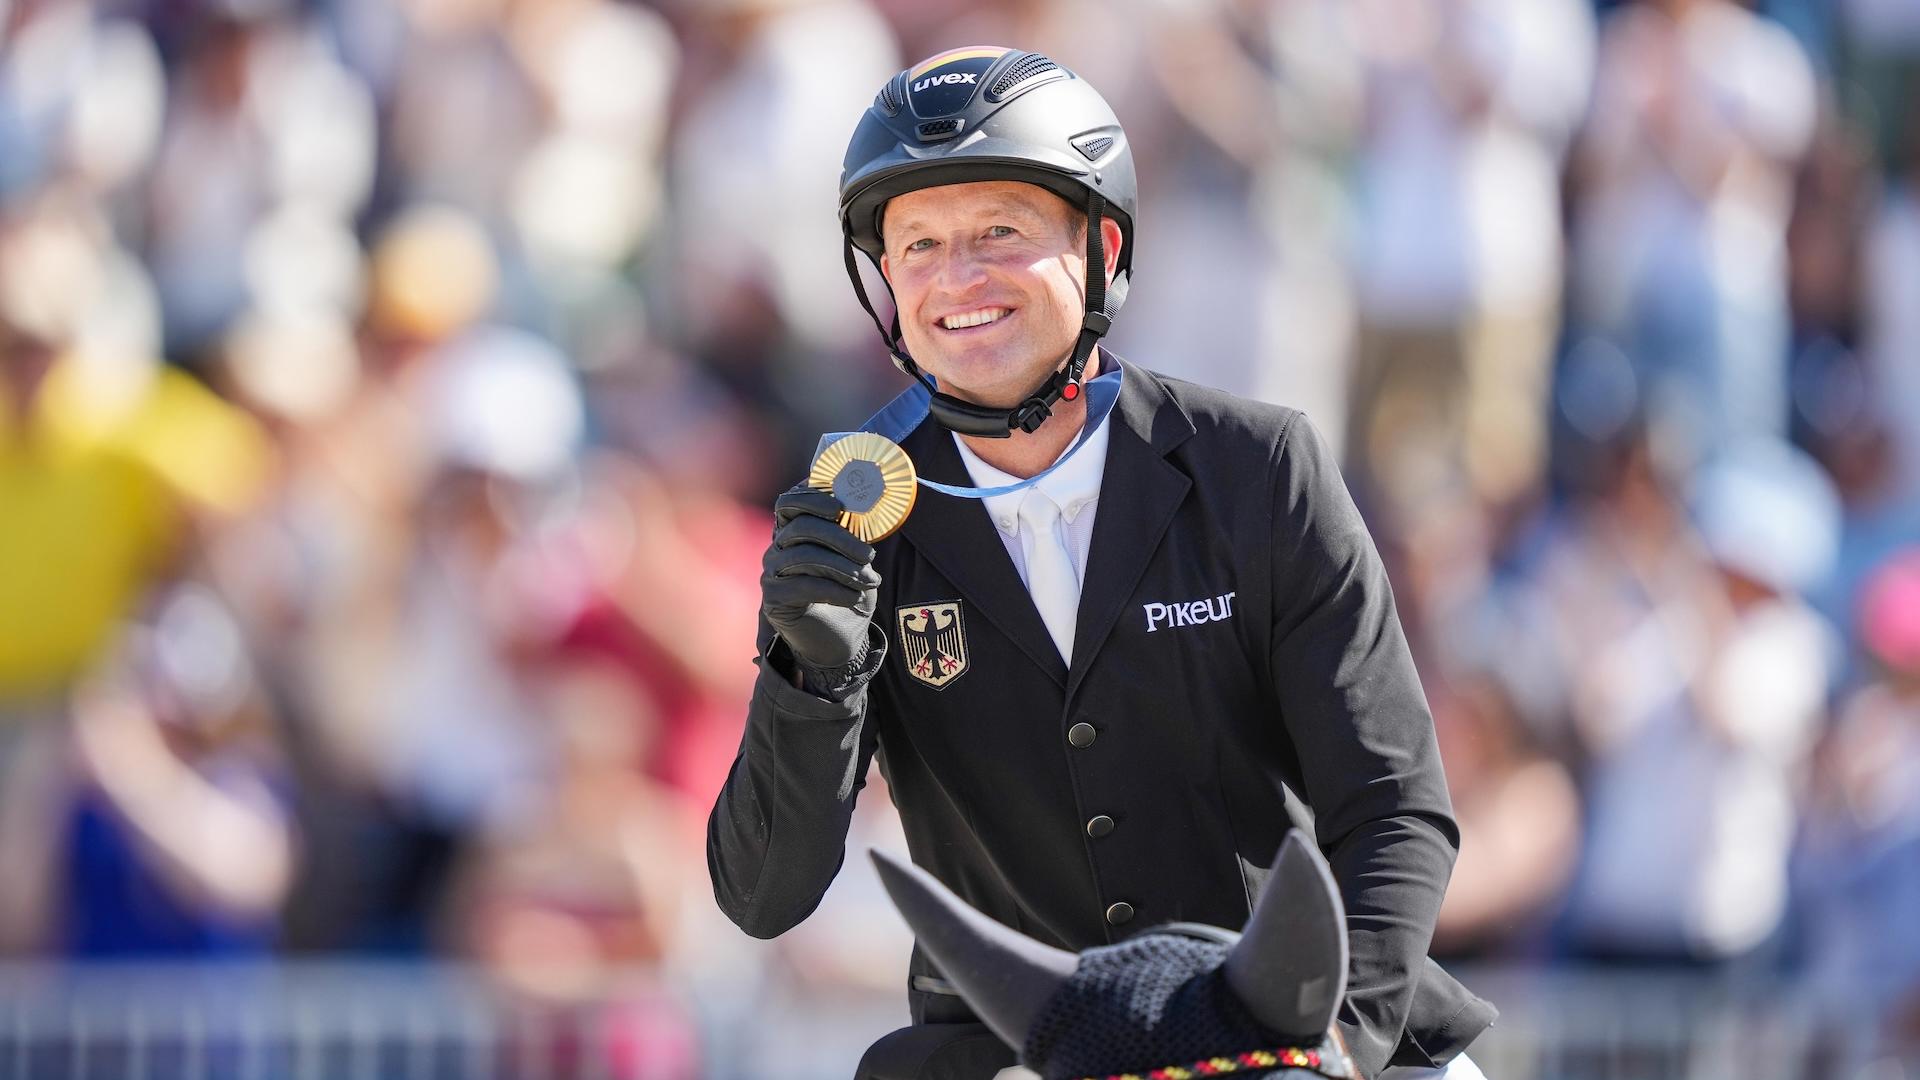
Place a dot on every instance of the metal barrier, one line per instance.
(322, 1021)
(1607, 1024)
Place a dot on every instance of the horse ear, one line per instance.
(1005, 975)
(1290, 966)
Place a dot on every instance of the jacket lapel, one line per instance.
(955, 535)
(1139, 493)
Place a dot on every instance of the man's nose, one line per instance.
(961, 269)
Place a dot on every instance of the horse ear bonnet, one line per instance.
(1159, 1000)
(1172, 1002)
(1151, 1001)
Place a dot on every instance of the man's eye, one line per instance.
(1000, 230)
(921, 244)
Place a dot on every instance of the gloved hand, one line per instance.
(818, 586)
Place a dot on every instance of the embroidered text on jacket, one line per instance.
(1191, 613)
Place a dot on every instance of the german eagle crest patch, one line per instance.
(933, 642)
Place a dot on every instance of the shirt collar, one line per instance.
(1073, 487)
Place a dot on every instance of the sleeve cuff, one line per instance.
(835, 685)
(841, 683)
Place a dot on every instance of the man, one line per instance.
(1102, 698)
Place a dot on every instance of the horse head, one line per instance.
(1177, 1000)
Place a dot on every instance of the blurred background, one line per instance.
(392, 393)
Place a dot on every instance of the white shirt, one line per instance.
(1074, 487)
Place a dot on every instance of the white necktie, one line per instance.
(1050, 575)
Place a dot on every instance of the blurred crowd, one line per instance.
(392, 393)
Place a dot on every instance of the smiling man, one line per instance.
(989, 280)
(1154, 638)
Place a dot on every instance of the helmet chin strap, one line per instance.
(967, 418)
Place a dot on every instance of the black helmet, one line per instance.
(993, 113)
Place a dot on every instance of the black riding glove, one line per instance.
(818, 588)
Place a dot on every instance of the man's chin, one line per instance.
(993, 398)
(983, 380)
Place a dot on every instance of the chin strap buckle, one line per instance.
(1029, 415)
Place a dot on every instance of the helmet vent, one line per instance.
(939, 129)
(1095, 147)
(889, 100)
(1022, 69)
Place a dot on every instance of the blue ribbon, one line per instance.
(910, 409)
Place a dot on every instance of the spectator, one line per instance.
(753, 286)
(1701, 113)
(82, 99)
(1696, 706)
(574, 901)
(1468, 106)
(1859, 872)
(1878, 57)
(1520, 825)
(1892, 345)
(104, 456)
(157, 824)
(657, 607)
(261, 123)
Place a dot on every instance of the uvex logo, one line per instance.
(956, 77)
(1190, 613)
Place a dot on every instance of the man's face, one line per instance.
(990, 281)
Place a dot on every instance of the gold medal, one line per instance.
(873, 479)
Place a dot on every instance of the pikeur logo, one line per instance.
(956, 77)
(1191, 613)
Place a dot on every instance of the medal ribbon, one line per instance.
(910, 409)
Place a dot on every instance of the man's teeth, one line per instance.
(974, 318)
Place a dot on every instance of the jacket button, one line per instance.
(1099, 826)
(1119, 913)
(1081, 735)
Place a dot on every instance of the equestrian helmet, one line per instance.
(989, 113)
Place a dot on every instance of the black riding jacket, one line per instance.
(1238, 669)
